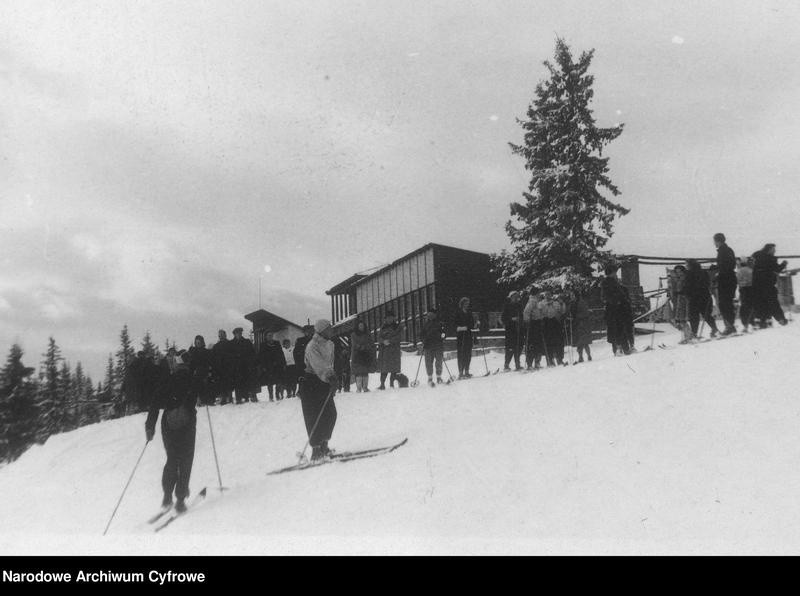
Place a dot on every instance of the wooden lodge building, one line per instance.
(433, 276)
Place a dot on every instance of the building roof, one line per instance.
(266, 320)
(359, 278)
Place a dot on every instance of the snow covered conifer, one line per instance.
(51, 403)
(17, 406)
(558, 233)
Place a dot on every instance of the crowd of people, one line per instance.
(693, 291)
(538, 323)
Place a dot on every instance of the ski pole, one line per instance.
(331, 393)
(486, 364)
(452, 378)
(126, 487)
(214, 448)
(419, 364)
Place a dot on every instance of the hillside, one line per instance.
(686, 450)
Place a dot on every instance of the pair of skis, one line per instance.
(340, 457)
(171, 514)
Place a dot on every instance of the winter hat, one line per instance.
(238, 330)
(321, 325)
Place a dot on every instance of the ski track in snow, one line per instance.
(694, 452)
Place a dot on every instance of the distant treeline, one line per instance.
(59, 398)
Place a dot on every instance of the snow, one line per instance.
(689, 450)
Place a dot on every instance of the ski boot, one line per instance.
(439, 380)
(180, 506)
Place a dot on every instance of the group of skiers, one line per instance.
(692, 291)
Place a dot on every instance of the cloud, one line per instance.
(677, 40)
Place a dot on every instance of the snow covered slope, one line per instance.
(688, 450)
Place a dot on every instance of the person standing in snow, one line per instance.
(317, 387)
(581, 326)
(726, 282)
(362, 359)
(244, 356)
(433, 345)
(744, 277)
(464, 322)
(534, 322)
(614, 297)
(178, 427)
(698, 292)
(222, 365)
(389, 346)
(342, 364)
(765, 279)
(200, 369)
(552, 313)
(512, 321)
(271, 366)
(290, 376)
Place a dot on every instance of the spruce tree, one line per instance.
(51, 406)
(124, 355)
(148, 347)
(559, 232)
(17, 406)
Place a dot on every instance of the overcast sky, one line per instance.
(156, 156)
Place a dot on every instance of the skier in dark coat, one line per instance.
(244, 360)
(698, 291)
(765, 292)
(362, 358)
(222, 366)
(615, 299)
(200, 370)
(342, 364)
(512, 321)
(317, 389)
(464, 322)
(178, 427)
(271, 365)
(726, 283)
(533, 316)
(433, 345)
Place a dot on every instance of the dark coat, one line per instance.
(581, 323)
(765, 270)
(698, 285)
(389, 346)
(222, 361)
(512, 310)
(299, 352)
(432, 335)
(244, 356)
(362, 359)
(726, 264)
(200, 360)
(271, 363)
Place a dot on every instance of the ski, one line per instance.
(341, 457)
(159, 515)
(198, 498)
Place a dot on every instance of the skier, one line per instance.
(744, 277)
(243, 357)
(178, 426)
(614, 297)
(317, 387)
(464, 323)
(580, 317)
(765, 292)
(223, 367)
(362, 360)
(342, 364)
(389, 345)
(512, 321)
(698, 292)
(726, 283)
(533, 318)
(433, 345)
(200, 369)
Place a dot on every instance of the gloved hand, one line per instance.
(149, 432)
